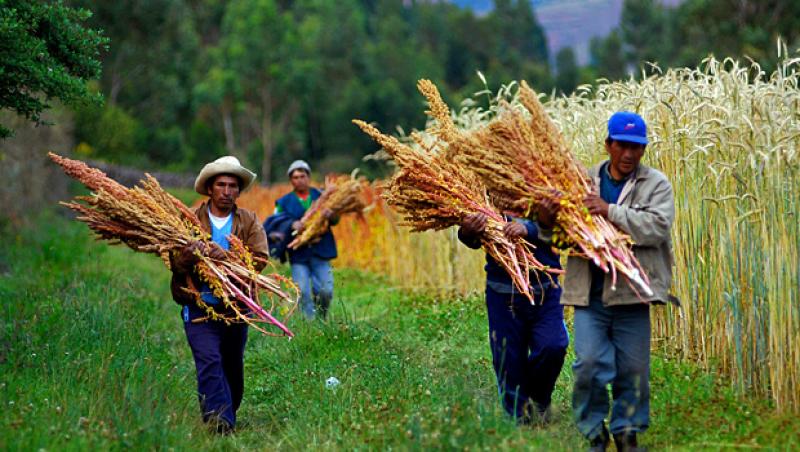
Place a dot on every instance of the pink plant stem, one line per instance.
(250, 304)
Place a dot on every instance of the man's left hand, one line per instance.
(596, 205)
(214, 251)
(548, 209)
(514, 230)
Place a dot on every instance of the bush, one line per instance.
(109, 132)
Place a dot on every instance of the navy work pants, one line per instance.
(218, 351)
(529, 343)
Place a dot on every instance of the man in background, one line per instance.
(311, 268)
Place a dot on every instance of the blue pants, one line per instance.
(315, 280)
(528, 347)
(612, 345)
(218, 351)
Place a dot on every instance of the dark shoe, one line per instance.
(626, 442)
(219, 426)
(322, 304)
(536, 415)
(542, 414)
(600, 442)
(545, 415)
(224, 429)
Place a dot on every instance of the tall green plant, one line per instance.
(47, 53)
(727, 136)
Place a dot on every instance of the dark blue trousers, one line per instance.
(218, 351)
(528, 347)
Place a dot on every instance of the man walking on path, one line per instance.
(311, 268)
(612, 325)
(528, 342)
(217, 347)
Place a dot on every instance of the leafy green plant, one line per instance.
(47, 53)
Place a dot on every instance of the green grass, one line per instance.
(93, 356)
(186, 195)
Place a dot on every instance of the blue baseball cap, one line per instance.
(627, 126)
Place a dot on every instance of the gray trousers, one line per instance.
(612, 346)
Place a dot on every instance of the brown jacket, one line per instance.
(246, 227)
(645, 210)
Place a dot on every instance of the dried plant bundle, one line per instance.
(432, 192)
(343, 194)
(523, 160)
(150, 220)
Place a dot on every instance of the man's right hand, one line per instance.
(473, 224)
(547, 211)
(187, 258)
(297, 225)
(276, 237)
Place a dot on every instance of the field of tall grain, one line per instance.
(727, 137)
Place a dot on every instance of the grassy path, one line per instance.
(93, 356)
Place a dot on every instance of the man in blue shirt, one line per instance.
(217, 347)
(528, 341)
(311, 268)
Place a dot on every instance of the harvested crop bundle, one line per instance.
(524, 159)
(150, 220)
(432, 192)
(343, 194)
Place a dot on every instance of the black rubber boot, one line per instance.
(600, 442)
(322, 304)
(536, 414)
(626, 442)
(220, 426)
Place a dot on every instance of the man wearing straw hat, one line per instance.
(311, 268)
(217, 347)
(612, 324)
(528, 342)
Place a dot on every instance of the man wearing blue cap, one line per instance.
(612, 324)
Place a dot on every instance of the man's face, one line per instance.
(223, 192)
(625, 157)
(299, 180)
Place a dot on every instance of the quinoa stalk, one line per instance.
(343, 194)
(148, 219)
(523, 159)
(432, 192)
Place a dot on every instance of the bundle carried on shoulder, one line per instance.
(432, 192)
(522, 157)
(343, 194)
(150, 220)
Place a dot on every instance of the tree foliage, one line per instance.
(568, 72)
(275, 80)
(649, 31)
(46, 52)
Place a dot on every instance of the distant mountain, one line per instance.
(569, 23)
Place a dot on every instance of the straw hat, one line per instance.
(223, 165)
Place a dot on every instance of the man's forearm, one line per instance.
(471, 241)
